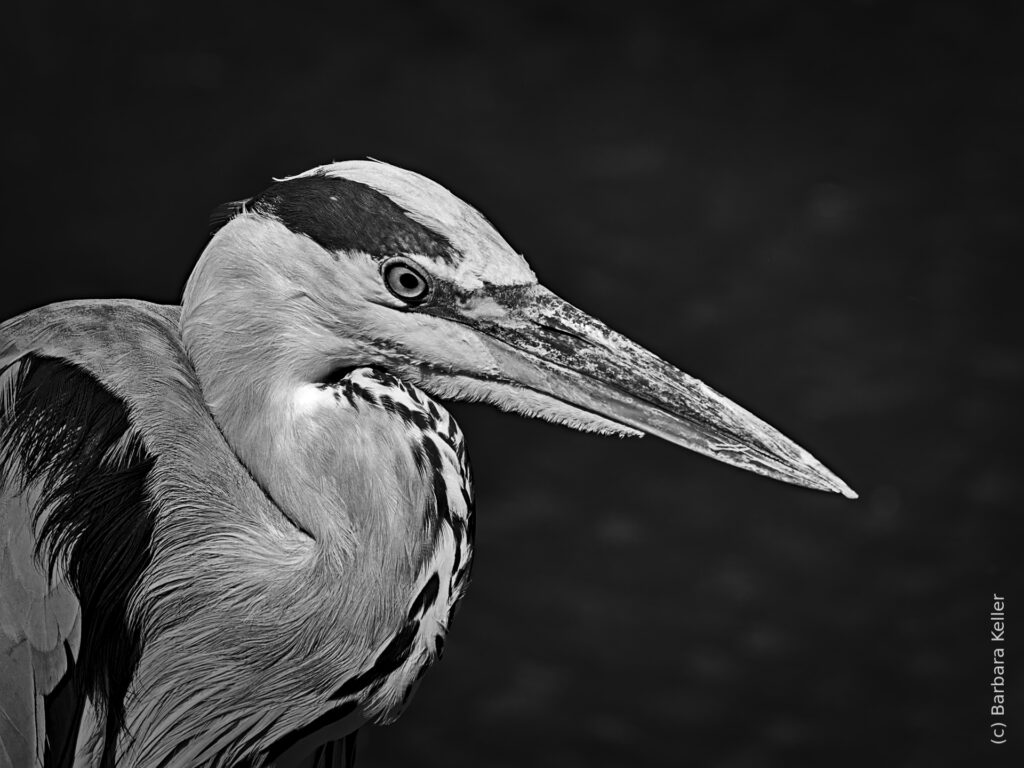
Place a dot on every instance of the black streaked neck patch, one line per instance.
(394, 655)
(344, 215)
(278, 754)
(72, 436)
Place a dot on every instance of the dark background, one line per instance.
(816, 208)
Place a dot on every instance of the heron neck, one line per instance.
(343, 475)
(258, 354)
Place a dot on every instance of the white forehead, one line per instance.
(487, 257)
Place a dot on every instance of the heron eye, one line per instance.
(405, 282)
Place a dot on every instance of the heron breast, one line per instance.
(438, 450)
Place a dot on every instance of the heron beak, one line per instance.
(543, 343)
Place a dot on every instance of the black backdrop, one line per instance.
(817, 211)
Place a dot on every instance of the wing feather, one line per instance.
(96, 392)
(37, 617)
(73, 539)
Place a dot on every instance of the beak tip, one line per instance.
(835, 484)
(847, 491)
(822, 478)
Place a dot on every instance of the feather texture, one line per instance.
(66, 434)
(242, 624)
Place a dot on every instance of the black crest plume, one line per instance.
(224, 213)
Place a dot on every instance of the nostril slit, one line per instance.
(560, 331)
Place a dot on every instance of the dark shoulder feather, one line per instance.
(68, 434)
(62, 708)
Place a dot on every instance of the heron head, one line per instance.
(362, 263)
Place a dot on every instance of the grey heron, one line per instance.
(233, 532)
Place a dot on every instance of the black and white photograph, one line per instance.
(470, 385)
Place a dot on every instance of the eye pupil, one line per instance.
(409, 281)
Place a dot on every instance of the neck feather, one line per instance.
(259, 354)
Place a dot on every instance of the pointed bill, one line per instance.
(543, 343)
